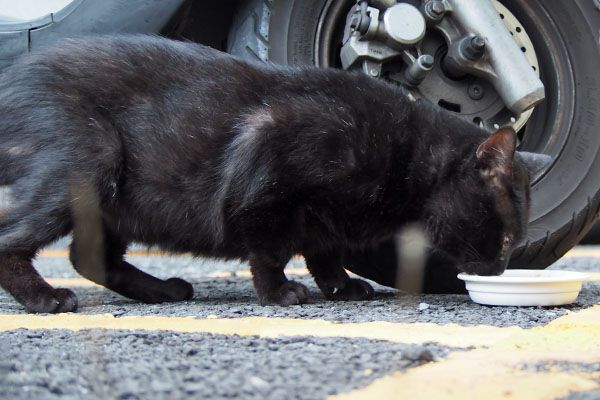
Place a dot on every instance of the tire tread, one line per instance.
(554, 245)
(250, 36)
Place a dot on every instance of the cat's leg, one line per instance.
(270, 282)
(19, 278)
(332, 279)
(23, 230)
(105, 265)
(269, 238)
(97, 252)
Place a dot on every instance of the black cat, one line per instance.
(136, 138)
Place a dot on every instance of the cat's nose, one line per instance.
(500, 264)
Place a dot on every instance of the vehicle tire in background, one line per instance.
(566, 126)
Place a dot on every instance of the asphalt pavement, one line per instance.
(222, 344)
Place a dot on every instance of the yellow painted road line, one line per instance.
(70, 282)
(575, 332)
(582, 252)
(498, 373)
(479, 374)
(450, 335)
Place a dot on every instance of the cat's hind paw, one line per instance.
(288, 294)
(52, 301)
(354, 289)
(179, 290)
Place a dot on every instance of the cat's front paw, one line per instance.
(52, 301)
(153, 290)
(354, 289)
(288, 294)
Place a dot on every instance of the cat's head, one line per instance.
(480, 213)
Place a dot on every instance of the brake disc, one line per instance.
(472, 97)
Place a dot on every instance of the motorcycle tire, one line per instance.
(565, 36)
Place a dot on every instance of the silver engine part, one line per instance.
(503, 63)
(478, 44)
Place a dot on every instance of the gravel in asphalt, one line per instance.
(166, 365)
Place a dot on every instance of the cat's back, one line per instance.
(108, 62)
(135, 84)
(126, 51)
(121, 71)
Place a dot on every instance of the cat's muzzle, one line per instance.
(493, 267)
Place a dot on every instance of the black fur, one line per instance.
(138, 138)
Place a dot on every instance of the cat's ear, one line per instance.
(497, 152)
(534, 162)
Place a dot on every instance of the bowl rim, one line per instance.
(526, 276)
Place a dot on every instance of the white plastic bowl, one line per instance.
(525, 287)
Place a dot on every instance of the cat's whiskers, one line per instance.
(470, 250)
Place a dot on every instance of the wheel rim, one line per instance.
(330, 30)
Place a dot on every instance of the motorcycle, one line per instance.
(530, 64)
